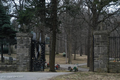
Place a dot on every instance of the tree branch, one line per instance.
(115, 28)
(106, 17)
(11, 15)
(15, 5)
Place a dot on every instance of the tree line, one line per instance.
(69, 23)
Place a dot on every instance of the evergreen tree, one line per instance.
(5, 28)
(6, 31)
(4, 20)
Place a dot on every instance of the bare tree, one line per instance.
(98, 13)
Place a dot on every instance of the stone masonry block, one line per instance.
(23, 51)
(100, 50)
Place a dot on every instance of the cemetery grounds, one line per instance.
(78, 75)
(82, 75)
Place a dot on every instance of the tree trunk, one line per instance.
(70, 47)
(75, 48)
(50, 48)
(74, 54)
(88, 48)
(60, 45)
(57, 45)
(66, 50)
(54, 27)
(85, 46)
(52, 61)
(2, 59)
(93, 28)
(81, 51)
(91, 68)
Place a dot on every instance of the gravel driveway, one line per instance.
(65, 66)
(30, 75)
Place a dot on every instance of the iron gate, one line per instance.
(37, 63)
(114, 54)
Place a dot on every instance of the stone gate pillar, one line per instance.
(100, 51)
(23, 51)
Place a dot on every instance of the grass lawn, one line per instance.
(88, 76)
(59, 59)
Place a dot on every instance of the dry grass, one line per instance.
(88, 76)
(84, 66)
(47, 70)
(59, 59)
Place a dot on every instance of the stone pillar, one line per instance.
(100, 51)
(23, 51)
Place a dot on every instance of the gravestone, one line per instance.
(10, 60)
(23, 51)
(100, 51)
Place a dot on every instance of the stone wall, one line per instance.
(23, 51)
(100, 51)
(6, 67)
(114, 67)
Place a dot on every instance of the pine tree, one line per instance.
(5, 28)
(4, 20)
(6, 31)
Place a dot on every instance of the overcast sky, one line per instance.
(111, 8)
